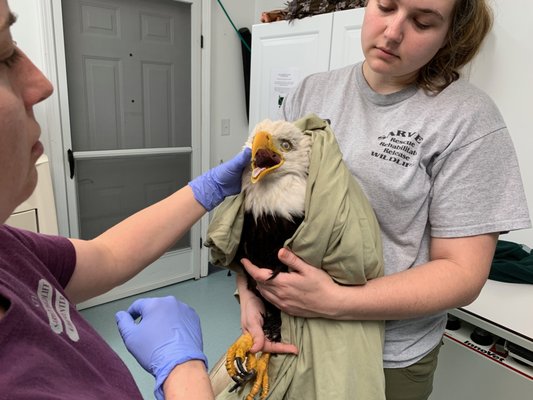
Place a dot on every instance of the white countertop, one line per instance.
(508, 305)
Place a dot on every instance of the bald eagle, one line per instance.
(299, 193)
(274, 196)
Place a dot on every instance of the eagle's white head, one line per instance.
(276, 181)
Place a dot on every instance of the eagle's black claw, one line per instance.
(240, 367)
(242, 377)
(234, 387)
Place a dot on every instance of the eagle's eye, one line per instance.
(285, 145)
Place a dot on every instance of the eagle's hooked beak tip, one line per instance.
(263, 141)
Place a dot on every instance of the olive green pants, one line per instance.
(414, 382)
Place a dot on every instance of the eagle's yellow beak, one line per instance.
(265, 156)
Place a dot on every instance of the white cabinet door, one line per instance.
(346, 38)
(24, 220)
(282, 54)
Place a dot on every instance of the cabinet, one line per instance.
(38, 212)
(284, 53)
(503, 365)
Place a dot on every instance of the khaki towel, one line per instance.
(340, 234)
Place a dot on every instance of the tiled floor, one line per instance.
(211, 297)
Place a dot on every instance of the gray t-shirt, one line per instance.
(431, 165)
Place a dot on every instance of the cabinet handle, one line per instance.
(70, 156)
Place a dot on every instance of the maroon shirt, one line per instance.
(47, 349)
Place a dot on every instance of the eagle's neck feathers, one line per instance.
(282, 197)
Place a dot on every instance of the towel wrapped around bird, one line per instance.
(339, 234)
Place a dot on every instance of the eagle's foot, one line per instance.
(243, 366)
(240, 363)
(261, 380)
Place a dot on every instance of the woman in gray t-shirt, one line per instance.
(435, 159)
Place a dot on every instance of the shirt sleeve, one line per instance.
(57, 253)
(478, 189)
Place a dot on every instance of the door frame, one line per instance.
(57, 109)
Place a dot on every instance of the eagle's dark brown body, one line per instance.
(261, 240)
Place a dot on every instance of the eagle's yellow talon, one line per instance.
(239, 353)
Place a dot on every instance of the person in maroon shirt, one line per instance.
(47, 349)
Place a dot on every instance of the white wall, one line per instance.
(227, 79)
(503, 70)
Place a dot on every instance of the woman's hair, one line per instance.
(471, 20)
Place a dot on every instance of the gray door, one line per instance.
(130, 68)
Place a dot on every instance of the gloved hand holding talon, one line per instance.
(168, 334)
(213, 186)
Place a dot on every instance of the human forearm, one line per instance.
(252, 312)
(125, 249)
(156, 228)
(153, 230)
(423, 290)
(244, 293)
(454, 277)
(188, 381)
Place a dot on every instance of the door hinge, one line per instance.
(201, 242)
(201, 41)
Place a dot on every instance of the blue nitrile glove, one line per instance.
(212, 187)
(168, 334)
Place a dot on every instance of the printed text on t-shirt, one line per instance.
(398, 147)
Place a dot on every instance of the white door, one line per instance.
(346, 38)
(133, 76)
(282, 54)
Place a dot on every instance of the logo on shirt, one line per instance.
(398, 147)
(58, 312)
